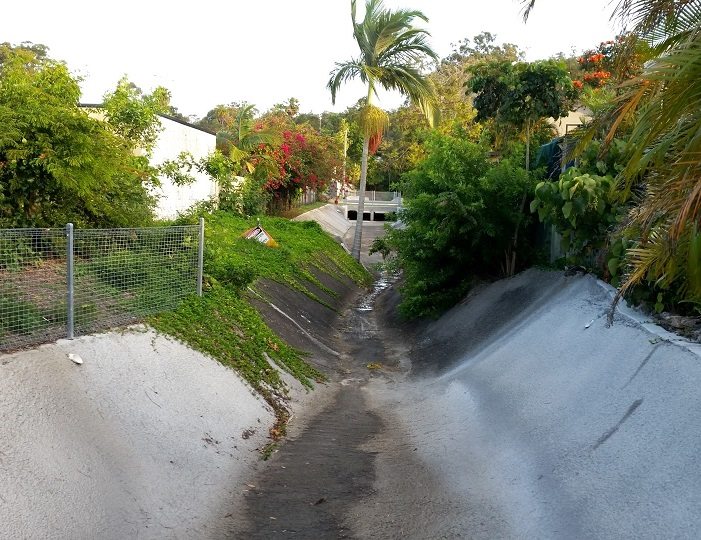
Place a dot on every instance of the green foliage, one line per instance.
(460, 214)
(520, 93)
(56, 163)
(124, 269)
(16, 253)
(667, 274)
(134, 115)
(246, 197)
(225, 326)
(583, 208)
(381, 245)
(664, 104)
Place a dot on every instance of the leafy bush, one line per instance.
(460, 216)
(246, 198)
(583, 208)
(58, 163)
(16, 253)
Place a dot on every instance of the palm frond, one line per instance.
(528, 6)
(345, 72)
(391, 52)
(410, 47)
(658, 20)
(410, 82)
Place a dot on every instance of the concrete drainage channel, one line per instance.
(311, 486)
(518, 414)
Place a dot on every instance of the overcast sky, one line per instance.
(210, 52)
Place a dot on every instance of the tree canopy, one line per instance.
(58, 164)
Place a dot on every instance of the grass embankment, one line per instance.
(224, 325)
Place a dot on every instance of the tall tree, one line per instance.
(664, 102)
(392, 52)
(58, 164)
(520, 95)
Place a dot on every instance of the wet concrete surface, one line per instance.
(310, 485)
(544, 424)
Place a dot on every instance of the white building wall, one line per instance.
(172, 140)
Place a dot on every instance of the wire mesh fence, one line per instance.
(56, 283)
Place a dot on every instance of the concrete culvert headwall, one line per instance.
(538, 421)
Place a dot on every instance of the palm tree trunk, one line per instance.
(358, 238)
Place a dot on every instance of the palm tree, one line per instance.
(665, 150)
(242, 139)
(664, 159)
(392, 52)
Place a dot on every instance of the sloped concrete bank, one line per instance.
(526, 417)
(144, 439)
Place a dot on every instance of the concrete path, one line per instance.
(332, 220)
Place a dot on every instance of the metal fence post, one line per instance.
(69, 281)
(200, 258)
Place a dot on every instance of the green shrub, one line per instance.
(460, 213)
(583, 207)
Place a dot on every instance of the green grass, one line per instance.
(18, 316)
(225, 326)
(238, 262)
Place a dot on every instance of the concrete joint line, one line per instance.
(312, 338)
